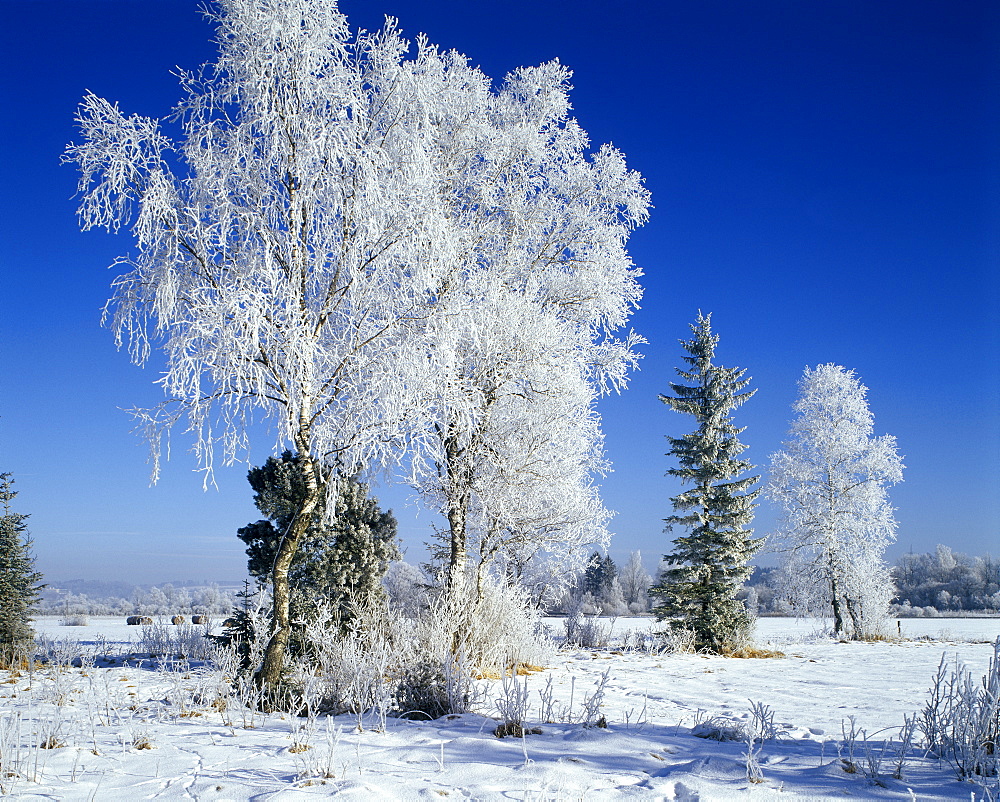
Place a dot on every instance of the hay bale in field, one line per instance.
(145, 620)
(177, 620)
(199, 619)
(133, 620)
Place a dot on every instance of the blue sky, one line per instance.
(824, 177)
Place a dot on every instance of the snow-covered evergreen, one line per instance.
(19, 588)
(708, 565)
(341, 558)
(830, 480)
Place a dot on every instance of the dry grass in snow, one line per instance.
(826, 720)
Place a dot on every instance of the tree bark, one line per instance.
(272, 667)
(838, 616)
(458, 509)
(852, 611)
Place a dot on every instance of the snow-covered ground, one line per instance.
(141, 733)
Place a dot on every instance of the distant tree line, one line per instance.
(163, 599)
(933, 583)
(604, 588)
(947, 580)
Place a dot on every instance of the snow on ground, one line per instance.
(128, 733)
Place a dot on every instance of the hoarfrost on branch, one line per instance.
(830, 481)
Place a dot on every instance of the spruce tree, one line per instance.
(19, 588)
(697, 591)
(599, 574)
(337, 561)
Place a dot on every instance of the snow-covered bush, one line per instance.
(676, 640)
(387, 663)
(757, 725)
(430, 689)
(583, 628)
(353, 671)
(492, 628)
(183, 641)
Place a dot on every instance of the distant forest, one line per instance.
(82, 597)
(939, 582)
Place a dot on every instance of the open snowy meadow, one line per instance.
(825, 720)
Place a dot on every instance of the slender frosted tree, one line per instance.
(19, 581)
(540, 225)
(831, 481)
(709, 564)
(290, 247)
(635, 582)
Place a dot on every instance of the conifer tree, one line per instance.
(709, 564)
(599, 574)
(338, 561)
(19, 588)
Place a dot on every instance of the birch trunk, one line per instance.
(459, 482)
(838, 615)
(269, 675)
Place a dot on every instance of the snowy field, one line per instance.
(141, 732)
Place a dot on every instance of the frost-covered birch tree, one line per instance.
(830, 481)
(635, 582)
(290, 246)
(540, 229)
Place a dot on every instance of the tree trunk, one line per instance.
(852, 611)
(458, 509)
(458, 554)
(838, 616)
(269, 675)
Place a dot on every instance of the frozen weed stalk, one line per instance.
(592, 715)
(303, 732)
(758, 729)
(319, 763)
(14, 758)
(874, 755)
(512, 705)
(752, 756)
(549, 712)
(906, 733)
(961, 720)
(849, 742)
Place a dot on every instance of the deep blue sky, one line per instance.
(824, 177)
